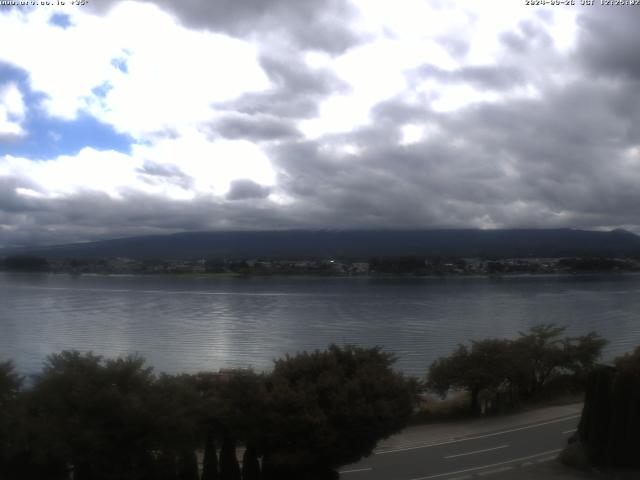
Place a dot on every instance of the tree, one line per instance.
(210, 460)
(93, 414)
(174, 403)
(10, 382)
(629, 362)
(229, 468)
(486, 365)
(521, 367)
(232, 406)
(329, 408)
(167, 465)
(26, 263)
(241, 405)
(250, 464)
(582, 353)
(542, 354)
(12, 422)
(187, 465)
(609, 425)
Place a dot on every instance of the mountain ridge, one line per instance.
(353, 244)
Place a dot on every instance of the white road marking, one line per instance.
(545, 459)
(569, 431)
(482, 467)
(448, 442)
(355, 470)
(477, 451)
(495, 470)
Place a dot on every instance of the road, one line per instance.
(480, 456)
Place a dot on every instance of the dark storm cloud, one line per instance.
(562, 158)
(244, 189)
(565, 156)
(423, 185)
(91, 215)
(10, 200)
(608, 41)
(254, 127)
(307, 24)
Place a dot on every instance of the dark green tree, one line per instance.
(229, 467)
(93, 414)
(629, 362)
(487, 365)
(210, 460)
(12, 422)
(26, 263)
(250, 464)
(521, 368)
(542, 354)
(240, 409)
(174, 403)
(188, 465)
(610, 421)
(167, 465)
(330, 408)
(10, 382)
(582, 353)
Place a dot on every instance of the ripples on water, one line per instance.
(197, 323)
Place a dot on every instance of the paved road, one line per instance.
(480, 456)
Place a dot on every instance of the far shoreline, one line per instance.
(306, 276)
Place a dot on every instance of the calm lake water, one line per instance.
(187, 324)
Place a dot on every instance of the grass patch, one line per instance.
(455, 406)
(434, 409)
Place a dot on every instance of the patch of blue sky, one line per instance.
(60, 20)
(120, 64)
(49, 137)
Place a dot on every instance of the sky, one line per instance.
(122, 118)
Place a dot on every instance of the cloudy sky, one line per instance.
(122, 118)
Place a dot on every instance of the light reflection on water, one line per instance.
(197, 323)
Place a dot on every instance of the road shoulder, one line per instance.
(430, 434)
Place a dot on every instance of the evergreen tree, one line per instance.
(229, 468)
(250, 464)
(167, 467)
(188, 465)
(210, 461)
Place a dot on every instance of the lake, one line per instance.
(187, 324)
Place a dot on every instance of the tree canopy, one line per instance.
(523, 366)
(329, 408)
(107, 419)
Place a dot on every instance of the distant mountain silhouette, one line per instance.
(355, 244)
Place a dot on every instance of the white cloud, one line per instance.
(210, 166)
(409, 33)
(173, 74)
(141, 72)
(411, 134)
(454, 83)
(12, 111)
(105, 171)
